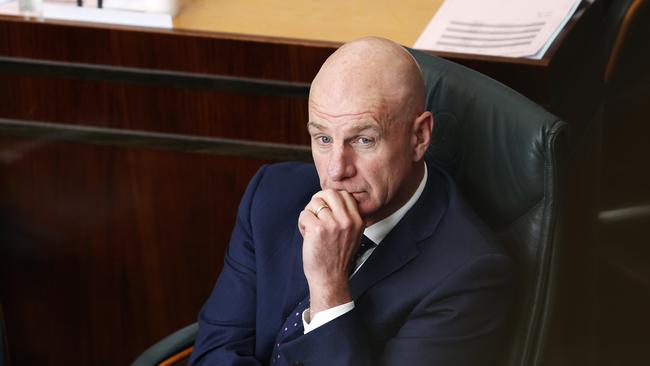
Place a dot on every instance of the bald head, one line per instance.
(369, 131)
(373, 72)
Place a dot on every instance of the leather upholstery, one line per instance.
(506, 154)
(168, 347)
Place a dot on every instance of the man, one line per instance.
(370, 257)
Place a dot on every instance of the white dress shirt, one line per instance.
(375, 232)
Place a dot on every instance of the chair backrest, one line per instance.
(506, 154)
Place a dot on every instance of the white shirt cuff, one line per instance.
(324, 316)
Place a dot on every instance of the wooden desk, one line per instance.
(334, 21)
(111, 238)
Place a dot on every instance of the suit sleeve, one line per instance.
(226, 333)
(461, 322)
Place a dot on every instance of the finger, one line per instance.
(350, 204)
(315, 203)
(306, 220)
(301, 223)
(323, 212)
(345, 214)
(317, 206)
(349, 207)
(334, 201)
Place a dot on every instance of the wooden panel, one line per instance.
(225, 54)
(4, 356)
(547, 81)
(107, 249)
(128, 106)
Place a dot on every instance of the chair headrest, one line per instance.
(491, 139)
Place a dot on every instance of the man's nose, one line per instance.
(341, 163)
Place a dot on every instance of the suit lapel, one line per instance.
(401, 245)
(297, 286)
(391, 255)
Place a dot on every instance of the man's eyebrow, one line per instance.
(359, 128)
(368, 126)
(315, 125)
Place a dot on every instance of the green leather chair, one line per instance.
(506, 153)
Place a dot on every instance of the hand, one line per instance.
(330, 241)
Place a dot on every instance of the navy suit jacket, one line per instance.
(436, 290)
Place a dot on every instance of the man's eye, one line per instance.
(324, 139)
(364, 141)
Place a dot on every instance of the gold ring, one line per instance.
(320, 208)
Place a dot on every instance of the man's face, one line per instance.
(357, 149)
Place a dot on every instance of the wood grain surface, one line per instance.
(105, 250)
(334, 20)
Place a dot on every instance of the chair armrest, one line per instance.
(168, 347)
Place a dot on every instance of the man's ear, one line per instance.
(421, 137)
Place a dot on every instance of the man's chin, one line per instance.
(366, 210)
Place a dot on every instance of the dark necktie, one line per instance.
(365, 244)
(291, 328)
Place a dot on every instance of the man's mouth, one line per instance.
(357, 195)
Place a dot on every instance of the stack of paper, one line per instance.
(109, 16)
(141, 13)
(512, 28)
(149, 6)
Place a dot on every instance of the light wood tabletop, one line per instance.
(333, 20)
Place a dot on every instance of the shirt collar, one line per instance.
(378, 231)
